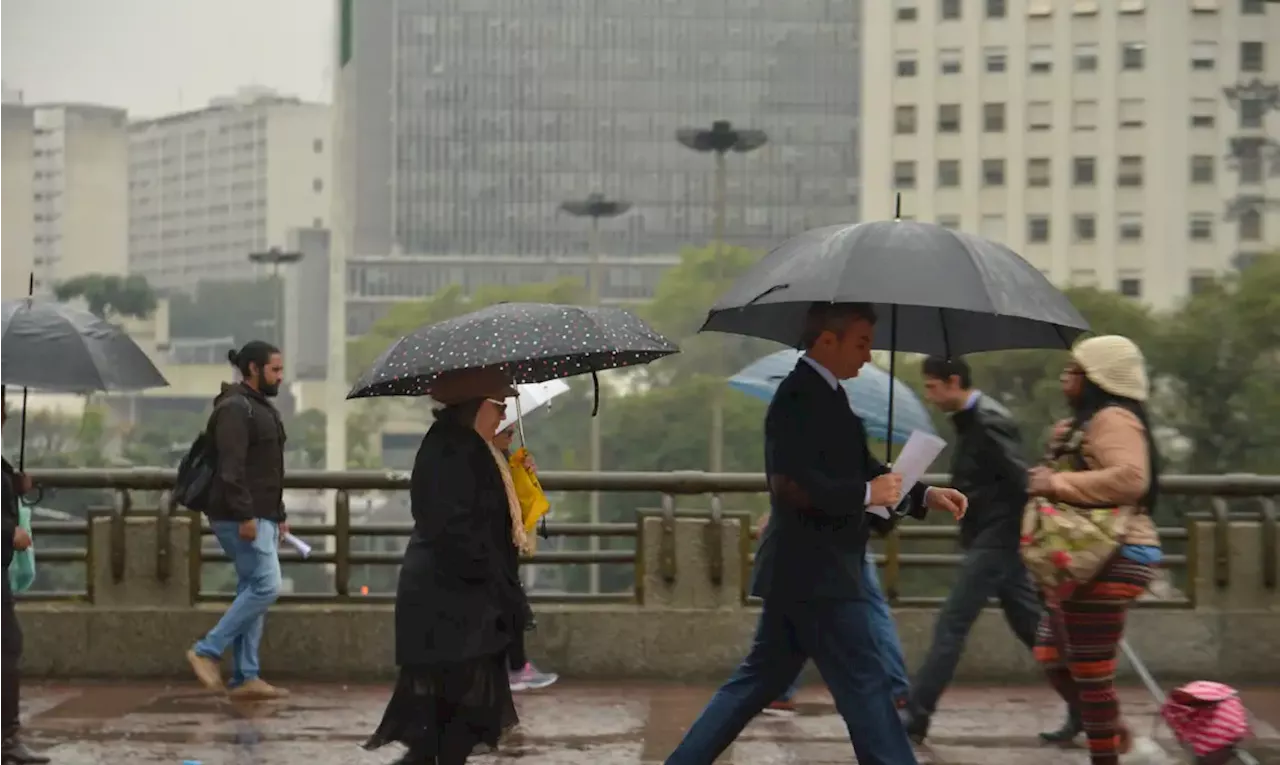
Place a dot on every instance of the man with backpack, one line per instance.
(241, 459)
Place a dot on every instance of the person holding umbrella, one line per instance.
(822, 480)
(460, 610)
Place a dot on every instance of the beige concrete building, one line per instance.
(1089, 135)
(210, 186)
(65, 194)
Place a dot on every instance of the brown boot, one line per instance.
(256, 690)
(207, 671)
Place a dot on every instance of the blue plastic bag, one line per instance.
(22, 571)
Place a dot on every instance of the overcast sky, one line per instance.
(159, 56)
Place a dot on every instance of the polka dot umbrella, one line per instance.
(527, 342)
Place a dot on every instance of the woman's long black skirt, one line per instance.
(444, 711)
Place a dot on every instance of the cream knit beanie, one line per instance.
(1115, 364)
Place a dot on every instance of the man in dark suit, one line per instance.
(822, 479)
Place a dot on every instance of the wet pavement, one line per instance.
(568, 724)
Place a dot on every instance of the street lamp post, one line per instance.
(721, 139)
(275, 257)
(595, 207)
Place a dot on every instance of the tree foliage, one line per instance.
(242, 310)
(109, 295)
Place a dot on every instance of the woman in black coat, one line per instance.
(460, 609)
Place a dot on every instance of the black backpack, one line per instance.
(200, 464)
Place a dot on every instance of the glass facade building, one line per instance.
(473, 120)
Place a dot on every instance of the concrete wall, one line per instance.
(686, 626)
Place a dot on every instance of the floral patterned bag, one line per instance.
(1062, 545)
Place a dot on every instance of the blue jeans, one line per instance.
(884, 631)
(837, 635)
(257, 565)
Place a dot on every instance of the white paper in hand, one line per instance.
(913, 461)
(303, 548)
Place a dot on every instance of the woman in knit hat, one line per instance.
(1108, 441)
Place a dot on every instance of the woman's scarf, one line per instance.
(518, 536)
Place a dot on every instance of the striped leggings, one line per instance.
(1077, 644)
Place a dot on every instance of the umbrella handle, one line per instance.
(22, 434)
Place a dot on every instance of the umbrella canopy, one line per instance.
(531, 397)
(56, 347)
(951, 293)
(868, 395)
(527, 342)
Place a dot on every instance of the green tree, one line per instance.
(109, 296)
(242, 310)
(1218, 361)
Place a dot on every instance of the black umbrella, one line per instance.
(527, 342)
(937, 291)
(55, 347)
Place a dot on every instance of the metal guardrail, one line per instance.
(122, 484)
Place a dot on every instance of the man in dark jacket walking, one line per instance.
(15, 538)
(988, 466)
(246, 511)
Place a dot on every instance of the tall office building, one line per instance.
(207, 187)
(1101, 139)
(65, 173)
(469, 123)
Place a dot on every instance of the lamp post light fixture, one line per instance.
(721, 139)
(595, 207)
(275, 257)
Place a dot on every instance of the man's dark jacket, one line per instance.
(249, 437)
(818, 465)
(989, 467)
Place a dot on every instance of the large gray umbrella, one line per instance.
(55, 347)
(937, 290)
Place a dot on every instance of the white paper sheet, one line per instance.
(913, 461)
(303, 548)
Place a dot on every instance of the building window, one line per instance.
(992, 227)
(1130, 286)
(317, 185)
(1200, 227)
(904, 175)
(317, 145)
(948, 173)
(949, 60)
(949, 221)
(1204, 112)
(1084, 115)
(1040, 115)
(949, 10)
(1132, 112)
(1250, 170)
(904, 120)
(1133, 56)
(1204, 55)
(1252, 57)
(1129, 172)
(1252, 112)
(1038, 229)
(993, 118)
(1130, 227)
(1253, 7)
(993, 172)
(997, 9)
(906, 10)
(1084, 171)
(317, 223)
(1038, 172)
(1202, 168)
(906, 63)
(1251, 226)
(1086, 57)
(948, 118)
(1084, 228)
(1199, 284)
(1040, 59)
(996, 59)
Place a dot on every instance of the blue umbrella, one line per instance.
(868, 395)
